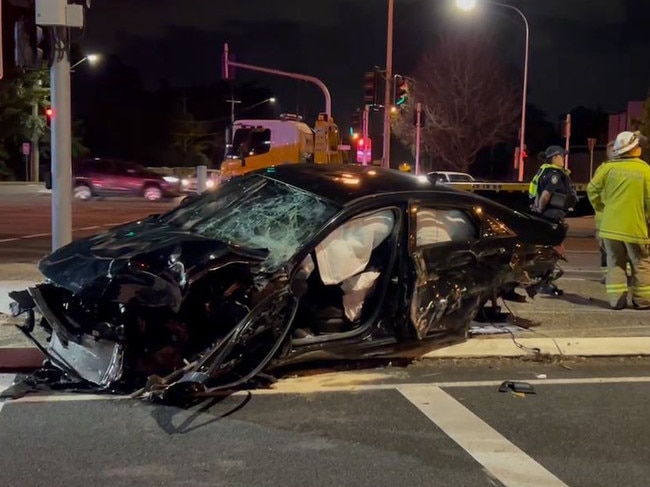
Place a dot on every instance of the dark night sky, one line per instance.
(589, 52)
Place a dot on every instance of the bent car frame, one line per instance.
(289, 263)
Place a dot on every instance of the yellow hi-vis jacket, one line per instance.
(620, 190)
(533, 186)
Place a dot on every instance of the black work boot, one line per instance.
(551, 289)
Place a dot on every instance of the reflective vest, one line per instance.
(533, 186)
(618, 191)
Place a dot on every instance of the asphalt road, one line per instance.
(25, 226)
(433, 424)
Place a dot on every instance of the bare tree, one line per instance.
(468, 101)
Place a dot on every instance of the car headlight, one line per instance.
(209, 184)
(185, 182)
(171, 179)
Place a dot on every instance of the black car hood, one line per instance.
(88, 266)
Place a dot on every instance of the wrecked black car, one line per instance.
(289, 263)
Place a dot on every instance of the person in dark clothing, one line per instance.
(551, 193)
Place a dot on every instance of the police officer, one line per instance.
(550, 189)
(551, 193)
(620, 190)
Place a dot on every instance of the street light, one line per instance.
(91, 58)
(469, 5)
(268, 100)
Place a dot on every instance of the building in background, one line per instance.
(619, 122)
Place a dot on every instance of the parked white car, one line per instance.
(450, 177)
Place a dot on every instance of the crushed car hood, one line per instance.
(146, 249)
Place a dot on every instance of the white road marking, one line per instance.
(583, 251)
(319, 385)
(505, 461)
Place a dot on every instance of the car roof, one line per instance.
(344, 184)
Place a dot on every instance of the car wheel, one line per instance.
(83, 192)
(152, 193)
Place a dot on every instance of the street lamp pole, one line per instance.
(385, 159)
(522, 130)
(469, 5)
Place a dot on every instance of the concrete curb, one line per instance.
(25, 359)
(571, 347)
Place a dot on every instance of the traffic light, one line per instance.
(33, 48)
(49, 114)
(355, 125)
(401, 91)
(370, 85)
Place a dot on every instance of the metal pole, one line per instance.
(418, 133)
(364, 132)
(385, 158)
(35, 151)
(61, 149)
(286, 74)
(201, 179)
(591, 164)
(567, 141)
(522, 129)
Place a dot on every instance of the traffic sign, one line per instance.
(27, 148)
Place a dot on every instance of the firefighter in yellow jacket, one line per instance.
(620, 191)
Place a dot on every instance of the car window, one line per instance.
(256, 213)
(460, 178)
(438, 178)
(250, 141)
(436, 225)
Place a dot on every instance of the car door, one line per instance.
(126, 178)
(495, 247)
(101, 175)
(453, 267)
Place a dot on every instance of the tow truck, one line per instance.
(262, 143)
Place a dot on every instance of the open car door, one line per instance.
(442, 298)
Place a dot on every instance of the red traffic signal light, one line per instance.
(49, 112)
(360, 143)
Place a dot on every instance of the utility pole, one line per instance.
(59, 17)
(567, 135)
(418, 133)
(385, 159)
(35, 159)
(230, 133)
(364, 134)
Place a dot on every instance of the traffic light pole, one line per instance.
(364, 133)
(286, 74)
(61, 149)
(385, 159)
(418, 133)
(35, 154)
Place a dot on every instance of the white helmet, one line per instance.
(625, 142)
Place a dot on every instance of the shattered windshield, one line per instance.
(257, 213)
